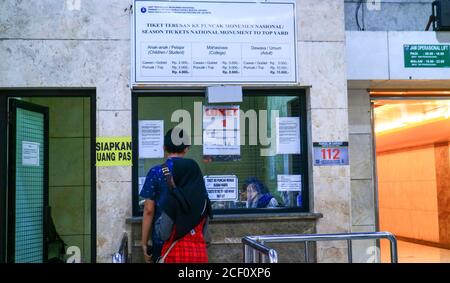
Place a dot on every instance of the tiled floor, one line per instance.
(414, 253)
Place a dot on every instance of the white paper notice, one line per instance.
(222, 187)
(290, 183)
(151, 138)
(30, 153)
(288, 135)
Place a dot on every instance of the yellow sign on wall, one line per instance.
(113, 151)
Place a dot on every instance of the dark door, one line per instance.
(27, 182)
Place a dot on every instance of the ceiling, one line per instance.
(409, 123)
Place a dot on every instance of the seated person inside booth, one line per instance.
(258, 195)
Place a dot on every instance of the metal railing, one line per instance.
(261, 251)
(122, 255)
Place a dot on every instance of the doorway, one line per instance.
(48, 179)
(412, 142)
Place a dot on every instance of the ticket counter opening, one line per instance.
(252, 154)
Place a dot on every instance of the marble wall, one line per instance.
(322, 66)
(363, 211)
(413, 193)
(86, 44)
(442, 154)
(78, 44)
(408, 192)
(398, 15)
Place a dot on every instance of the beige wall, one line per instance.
(71, 46)
(82, 46)
(407, 193)
(361, 172)
(321, 57)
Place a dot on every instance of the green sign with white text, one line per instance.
(426, 55)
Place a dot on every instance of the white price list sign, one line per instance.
(222, 187)
(199, 42)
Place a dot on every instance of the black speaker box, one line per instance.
(441, 12)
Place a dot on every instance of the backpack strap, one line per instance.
(178, 194)
(207, 209)
(162, 259)
(168, 175)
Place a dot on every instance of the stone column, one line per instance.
(361, 173)
(113, 119)
(321, 53)
(442, 160)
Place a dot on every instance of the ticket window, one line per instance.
(269, 175)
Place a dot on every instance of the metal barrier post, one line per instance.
(262, 257)
(349, 251)
(394, 256)
(252, 247)
(273, 256)
(306, 252)
(122, 255)
(247, 255)
(257, 243)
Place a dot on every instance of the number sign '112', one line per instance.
(330, 153)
